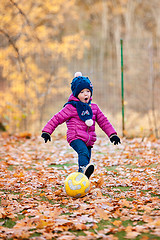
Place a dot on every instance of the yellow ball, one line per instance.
(77, 185)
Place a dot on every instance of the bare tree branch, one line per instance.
(13, 45)
(10, 41)
(25, 17)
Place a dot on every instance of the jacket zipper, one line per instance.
(88, 135)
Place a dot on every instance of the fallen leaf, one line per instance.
(102, 213)
(99, 183)
(117, 223)
(132, 235)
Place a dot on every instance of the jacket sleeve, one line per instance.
(104, 123)
(59, 118)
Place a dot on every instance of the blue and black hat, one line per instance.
(79, 83)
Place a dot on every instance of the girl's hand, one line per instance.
(115, 139)
(46, 136)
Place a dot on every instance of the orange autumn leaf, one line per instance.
(125, 203)
(157, 223)
(147, 218)
(100, 182)
(41, 224)
(42, 194)
(128, 228)
(19, 175)
(117, 223)
(58, 192)
(80, 226)
(21, 233)
(132, 235)
(102, 213)
(25, 135)
(145, 238)
(2, 213)
(134, 179)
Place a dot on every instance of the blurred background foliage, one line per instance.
(42, 44)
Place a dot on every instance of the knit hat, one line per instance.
(80, 82)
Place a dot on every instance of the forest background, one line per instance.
(43, 43)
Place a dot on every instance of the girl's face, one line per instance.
(85, 95)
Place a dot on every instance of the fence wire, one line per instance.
(141, 88)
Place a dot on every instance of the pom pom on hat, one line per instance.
(77, 74)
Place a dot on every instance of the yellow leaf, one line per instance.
(41, 224)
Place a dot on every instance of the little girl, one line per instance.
(80, 116)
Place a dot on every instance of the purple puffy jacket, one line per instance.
(76, 128)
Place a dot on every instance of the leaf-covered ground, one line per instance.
(123, 202)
